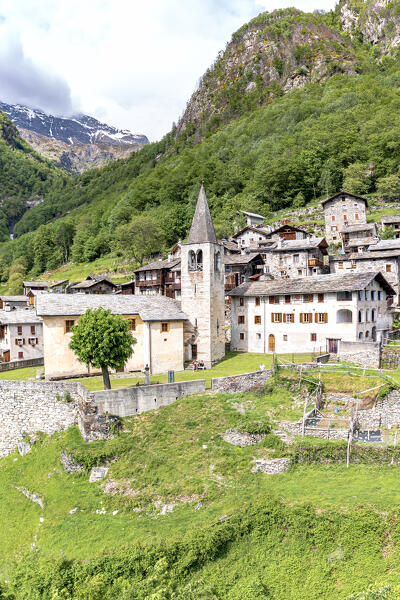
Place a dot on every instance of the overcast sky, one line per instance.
(129, 63)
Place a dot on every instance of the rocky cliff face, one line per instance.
(269, 56)
(76, 158)
(377, 22)
(77, 143)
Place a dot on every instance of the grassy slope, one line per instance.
(176, 455)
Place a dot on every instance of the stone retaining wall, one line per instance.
(20, 364)
(385, 413)
(365, 354)
(240, 383)
(319, 432)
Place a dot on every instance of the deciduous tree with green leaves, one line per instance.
(102, 340)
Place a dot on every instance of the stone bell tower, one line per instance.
(202, 288)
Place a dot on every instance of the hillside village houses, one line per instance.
(287, 294)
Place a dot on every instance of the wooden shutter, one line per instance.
(23, 341)
(272, 299)
(272, 317)
(301, 318)
(37, 340)
(284, 317)
(280, 318)
(16, 342)
(326, 317)
(316, 317)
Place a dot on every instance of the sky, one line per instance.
(130, 63)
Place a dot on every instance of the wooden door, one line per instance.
(271, 343)
(194, 351)
(332, 346)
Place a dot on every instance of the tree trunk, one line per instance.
(106, 378)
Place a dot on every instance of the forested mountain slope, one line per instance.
(338, 128)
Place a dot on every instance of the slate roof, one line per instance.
(202, 229)
(149, 308)
(158, 265)
(358, 227)
(366, 255)
(19, 316)
(390, 219)
(259, 230)
(127, 284)
(14, 298)
(61, 282)
(241, 259)
(37, 284)
(385, 245)
(342, 193)
(230, 246)
(315, 284)
(306, 244)
(249, 214)
(88, 283)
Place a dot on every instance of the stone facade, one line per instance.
(385, 413)
(365, 354)
(341, 210)
(295, 260)
(240, 383)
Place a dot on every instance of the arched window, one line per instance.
(360, 316)
(191, 260)
(217, 261)
(373, 334)
(344, 316)
(373, 314)
(367, 334)
(199, 260)
(361, 335)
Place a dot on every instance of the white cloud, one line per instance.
(131, 63)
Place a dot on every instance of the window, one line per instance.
(344, 316)
(20, 355)
(367, 315)
(274, 299)
(217, 261)
(305, 317)
(361, 295)
(321, 317)
(388, 268)
(241, 320)
(367, 295)
(361, 335)
(297, 299)
(307, 298)
(33, 329)
(345, 217)
(287, 299)
(367, 334)
(241, 336)
(257, 300)
(241, 301)
(19, 341)
(342, 296)
(373, 294)
(258, 336)
(360, 316)
(257, 320)
(379, 295)
(299, 272)
(356, 216)
(373, 315)
(333, 228)
(164, 327)
(33, 341)
(19, 329)
(276, 317)
(333, 217)
(295, 258)
(320, 297)
(69, 325)
(340, 265)
(288, 318)
(132, 324)
(285, 338)
(313, 337)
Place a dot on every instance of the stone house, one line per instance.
(311, 314)
(21, 334)
(240, 267)
(59, 287)
(13, 302)
(93, 285)
(295, 258)
(343, 210)
(252, 219)
(387, 262)
(250, 237)
(392, 221)
(158, 279)
(289, 232)
(357, 238)
(156, 323)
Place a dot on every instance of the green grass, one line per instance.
(21, 374)
(234, 363)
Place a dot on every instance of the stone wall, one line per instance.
(385, 413)
(390, 358)
(365, 354)
(126, 402)
(296, 428)
(28, 407)
(19, 364)
(240, 383)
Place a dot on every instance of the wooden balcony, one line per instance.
(315, 262)
(148, 282)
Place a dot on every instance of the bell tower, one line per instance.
(202, 288)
